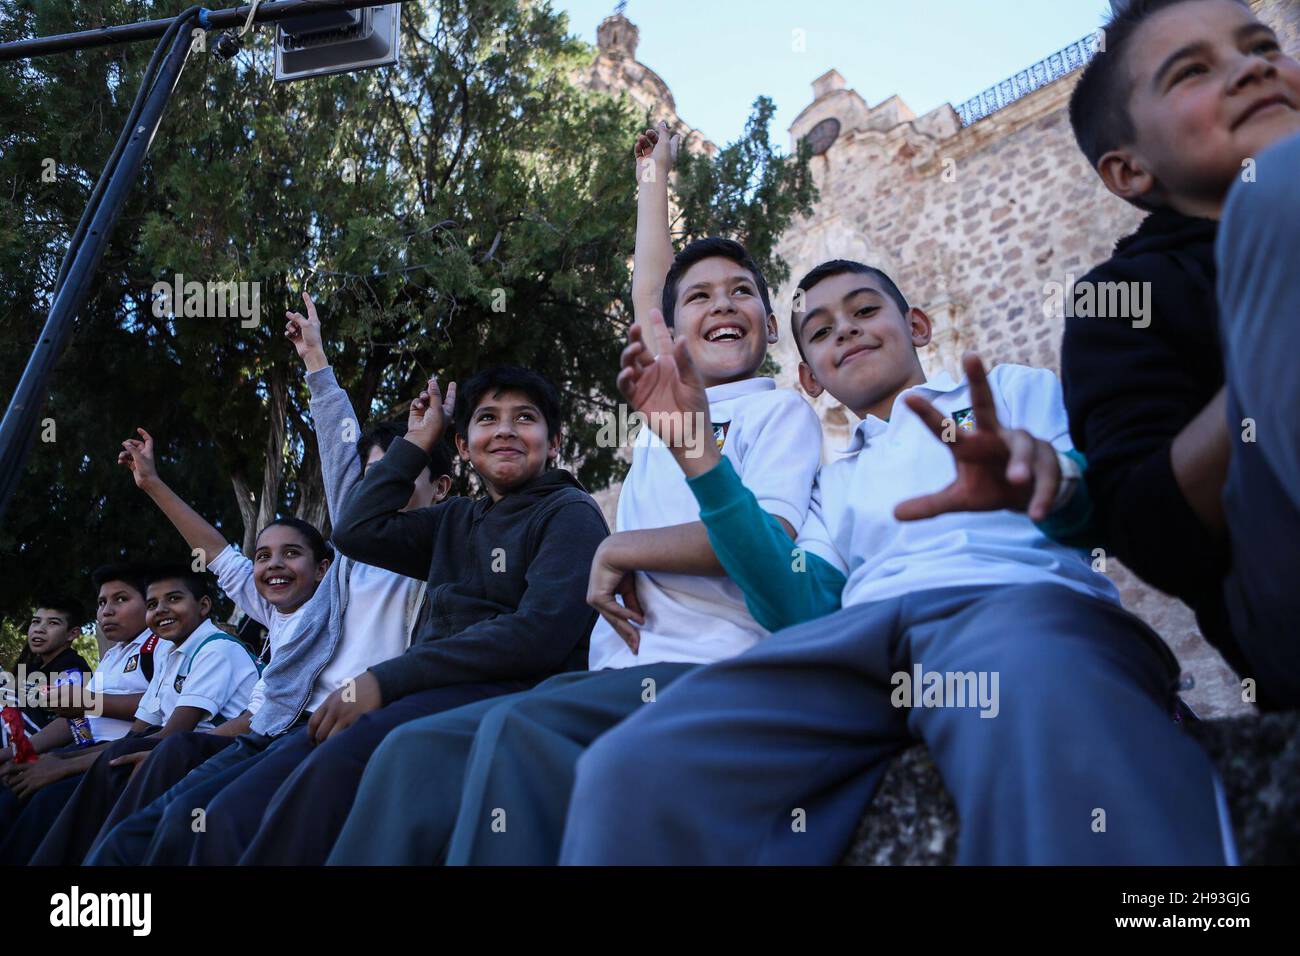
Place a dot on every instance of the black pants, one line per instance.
(291, 806)
(167, 765)
(78, 820)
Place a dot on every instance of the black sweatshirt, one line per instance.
(507, 579)
(1129, 391)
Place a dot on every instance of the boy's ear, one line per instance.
(1125, 174)
(322, 566)
(205, 607)
(920, 326)
(462, 447)
(809, 381)
(773, 328)
(441, 488)
(553, 447)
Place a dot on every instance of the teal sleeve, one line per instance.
(783, 585)
(1073, 525)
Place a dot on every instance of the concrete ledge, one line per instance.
(912, 821)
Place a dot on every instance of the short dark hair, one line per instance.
(195, 582)
(1099, 105)
(382, 433)
(837, 267)
(513, 378)
(320, 548)
(697, 251)
(132, 575)
(69, 607)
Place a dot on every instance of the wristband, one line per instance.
(1071, 475)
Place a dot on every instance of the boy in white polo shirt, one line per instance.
(1044, 704)
(115, 688)
(678, 609)
(113, 691)
(203, 680)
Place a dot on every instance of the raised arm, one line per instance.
(138, 456)
(656, 154)
(372, 527)
(332, 415)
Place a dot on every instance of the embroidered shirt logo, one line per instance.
(965, 419)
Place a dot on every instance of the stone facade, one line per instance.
(972, 223)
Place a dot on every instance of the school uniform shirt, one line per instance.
(235, 576)
(218, 680)
(119, 672)
(374, 626)
(772, 438)
(851, 523)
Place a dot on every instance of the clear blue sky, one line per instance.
(718, 55)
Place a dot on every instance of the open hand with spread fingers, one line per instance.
(997, 468)
(667, 390)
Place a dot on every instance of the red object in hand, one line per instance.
(23, 751)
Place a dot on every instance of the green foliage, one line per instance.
(12, 640)
(748, 192)
(471, 206)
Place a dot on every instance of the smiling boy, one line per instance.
(505, 608)
(1186, 100)
(440, 788)
(917, 552)
(204, 680)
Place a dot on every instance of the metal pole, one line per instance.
(18, 429)
(149, 29)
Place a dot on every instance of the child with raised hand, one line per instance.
(289, 560)
(666, 604)
(507, 576)
(360, 615)
(919, 601)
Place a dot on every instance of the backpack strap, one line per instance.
(146, 656)
(219, 636)
(216, 719)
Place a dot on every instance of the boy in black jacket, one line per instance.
(1179, 106)
(506, 607)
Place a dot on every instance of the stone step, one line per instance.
(912, 820)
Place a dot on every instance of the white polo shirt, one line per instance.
(851, 522)
(236, 578)
(773, 439)
(374, 627)
(118, 673)
(218, 680)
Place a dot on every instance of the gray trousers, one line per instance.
(1258, 254)
(489, 783)
(772, 756)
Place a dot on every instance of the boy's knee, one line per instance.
(632, 758)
